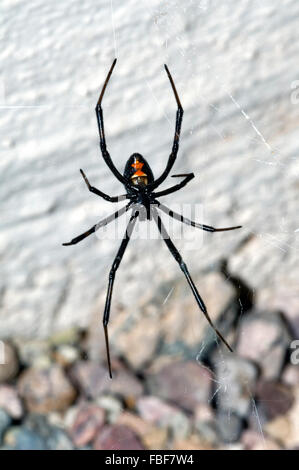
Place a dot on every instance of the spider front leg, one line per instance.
(173, 250)
(113, 270)
(176, 139)
(100, 119)
(96, 191)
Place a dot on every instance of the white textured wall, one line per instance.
(233, 63)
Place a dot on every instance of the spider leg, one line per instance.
(100, 224)
(184, 220)
(175, 145)
(173, 250)
(96, 191)
(176, 187)
(100, 119)
(113, 270)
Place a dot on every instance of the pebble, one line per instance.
(185, 384)
(45, 390)
(10, 401)
(9, 362)
(65, 355)
(117, 437)
(112, 406)
(152, 437)
(88, 421)
(158, 412)
(274, 399)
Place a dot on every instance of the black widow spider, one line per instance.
(139, 183)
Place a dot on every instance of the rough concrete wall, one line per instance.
(233, 63)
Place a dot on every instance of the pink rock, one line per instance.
(93, 380)
(184, 383)
(10, 401)
(117, 437)
(274, 399)
(88, 421)
(156, 411)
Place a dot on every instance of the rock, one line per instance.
(112, 406)
(274, 399)
(9, 363)
(254, 440)
(284, 428)
(205, 423)
(117, 437)
(22, 438)
(10, 401)
(65, 355)
(229, 425)
(93, 380)
(88, 421)
(54, 437)
(235, 381)
(184, 383)
(194, 442)
(156, 411)
(5, 421)
(152, 437)
(45, 390)
(264, 338)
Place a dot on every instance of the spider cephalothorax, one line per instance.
(139, 183)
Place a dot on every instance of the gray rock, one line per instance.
(234, 383)
(264, 338)
(229, 426)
